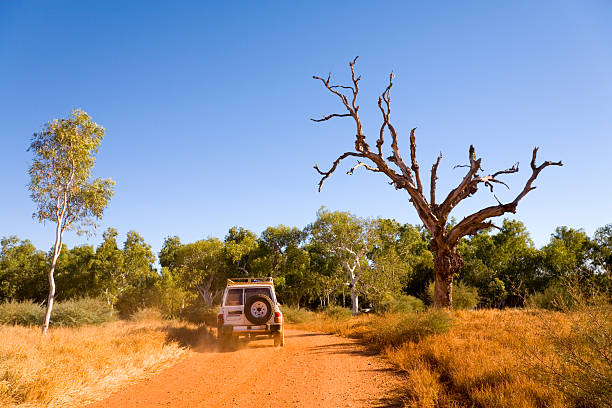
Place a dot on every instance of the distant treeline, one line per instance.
(338, 255)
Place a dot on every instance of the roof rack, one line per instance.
(249, 281)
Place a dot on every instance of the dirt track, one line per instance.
(312, 370)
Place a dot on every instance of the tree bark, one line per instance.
(447, 263)
(56, 251)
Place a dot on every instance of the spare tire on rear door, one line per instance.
(258, 309)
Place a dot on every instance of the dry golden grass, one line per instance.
(482, 361)
(72, 366)
(488, 358)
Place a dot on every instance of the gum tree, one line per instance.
(61, 185)
(349, 239)
(407, 176)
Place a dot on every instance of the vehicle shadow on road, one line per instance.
(203, 339)
(200, 339)
(287, 335)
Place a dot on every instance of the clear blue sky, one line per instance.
(207, 106)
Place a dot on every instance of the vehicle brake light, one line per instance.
(220, 318)
(277, 318)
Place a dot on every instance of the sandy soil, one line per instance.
(312, 370)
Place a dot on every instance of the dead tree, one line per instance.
(434, 215)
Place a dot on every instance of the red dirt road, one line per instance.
(312, 370)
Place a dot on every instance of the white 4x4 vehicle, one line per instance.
(249, 308)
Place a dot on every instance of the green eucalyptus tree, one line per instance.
(75, 276)
(401, 259)
(22, 270)
(108, 265)
(239, 249)
(201, 266)
(350, 239)
(168, 252)
(276, 244)
(61, 185)
(603, 252)
(569, 253)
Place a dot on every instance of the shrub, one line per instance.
(493, 294)
(581, 367)
(554, 297)
(134, 298)
(401, 304)
(295, 315)
(21, 313)
(395, 330)
(81, 312)
(70, 313)
(465, 297)
(338, 312)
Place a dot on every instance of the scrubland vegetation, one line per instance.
(74, 365)
(552, 350)
(481, 358)
(490, 358)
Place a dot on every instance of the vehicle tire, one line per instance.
(258, 309)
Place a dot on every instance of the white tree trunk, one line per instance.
(354, 293)
(354, 301)
(56, 251)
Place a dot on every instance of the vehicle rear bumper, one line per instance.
(230, 330)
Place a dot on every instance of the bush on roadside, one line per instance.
(294, 315)
(401, 304)
(338, 312)
(396, 329)
(581, 367)
(80, 312)
(465, 297)
(554, 297)
(21, 313)
(70, 313)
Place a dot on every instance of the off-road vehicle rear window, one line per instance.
(234, 297)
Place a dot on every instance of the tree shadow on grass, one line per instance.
(343, 348)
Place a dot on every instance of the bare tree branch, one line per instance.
(334, 115)
(326, 174)
(415, 165)
(464, 189)
(434, 178)
(457, 166)
(467, 225)
(360, 164)
(513, 169)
